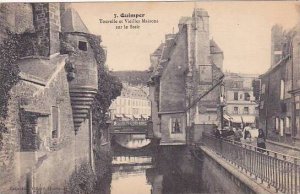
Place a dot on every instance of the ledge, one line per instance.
(251, 184)
(283, 145)
(171, 112)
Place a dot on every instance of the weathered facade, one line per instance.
(183, 86)
(132, 104)
(241, 104)
(279, 111)
(49, 120)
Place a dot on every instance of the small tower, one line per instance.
(83, 84)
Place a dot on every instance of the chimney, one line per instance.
(46, 18)
(201, 30)
(276, 44)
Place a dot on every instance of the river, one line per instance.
(166, 170)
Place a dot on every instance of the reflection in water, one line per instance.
(165, 170)
(129, 175)
(168, 171)
(129, 160)
(134, 182)
(134, 141)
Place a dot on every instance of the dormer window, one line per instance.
(82, 45)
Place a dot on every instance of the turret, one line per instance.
(82, 65)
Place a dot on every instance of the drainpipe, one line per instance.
(267, 106)
(91, 153)
(294, 131)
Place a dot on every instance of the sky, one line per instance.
(241, 29)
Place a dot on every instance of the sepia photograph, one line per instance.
(150, 97)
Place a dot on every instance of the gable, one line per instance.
(172, 82)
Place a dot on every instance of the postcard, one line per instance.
(150, 97)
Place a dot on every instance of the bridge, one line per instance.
(129, 127)
(131, 135)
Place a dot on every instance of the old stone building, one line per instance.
(241, 104)
(132, 104)
(279, 111)
(49, 119)
(184, 86)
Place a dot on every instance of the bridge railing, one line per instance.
(278, 170)
(130, 123)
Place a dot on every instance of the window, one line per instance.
(235, 110)
(82, 45)
(246, 96)
(236, 96)
(261, 104)
(241, 96)
(287, 122)
(246, 110)
(297, 123)
(135, 111)
(281, 90)
(176, 125)
(256, 110)
(297, 101)
(55, 122)
(263, 88)
(281, 126)
(276, 124)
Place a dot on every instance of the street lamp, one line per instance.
(222, 103)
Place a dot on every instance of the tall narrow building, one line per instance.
(279, 110)
(187, 68)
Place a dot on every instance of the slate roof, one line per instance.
(71, 21)
(167, 50)
(168, 47)
(159, 50)
(214, 48)
(39, 69)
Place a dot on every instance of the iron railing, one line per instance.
(130, 123)
(278, 170)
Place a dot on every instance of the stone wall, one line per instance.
(218, 180)
(56, 158)
(47, 26)
(16, 17)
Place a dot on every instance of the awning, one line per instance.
(227, 117)
(246, 119)
(137, 116)
(127, 116)
(118, 115)
(144, 116)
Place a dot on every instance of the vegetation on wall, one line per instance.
(109, 86)
(82, 180)
(10, 51)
